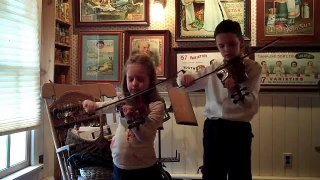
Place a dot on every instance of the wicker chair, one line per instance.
(65, 112)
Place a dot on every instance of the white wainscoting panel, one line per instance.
(285, 123)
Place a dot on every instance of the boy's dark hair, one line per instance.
(228, 26)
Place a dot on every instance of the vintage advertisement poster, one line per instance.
(236, 12)
(199, 18)
(99, 57)
(151, 45)
(289, 17)
(193, 62)
(106, 10)
(99, 60)
(289, 68)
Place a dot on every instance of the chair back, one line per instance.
(64, 110)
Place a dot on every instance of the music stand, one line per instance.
(182, 107)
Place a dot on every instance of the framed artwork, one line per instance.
(289, 70)
(100, 55)
(193, 59)
(294, 21)
(196, 20)
(155, 43)
(107, 12)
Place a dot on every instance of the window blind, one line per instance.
(19, 65)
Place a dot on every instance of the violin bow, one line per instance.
(140, 92)
(183, 71)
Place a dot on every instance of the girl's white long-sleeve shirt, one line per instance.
(219, 103)
(134, 148)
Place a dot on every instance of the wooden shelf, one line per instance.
(62, 64)
(62, 22)
(62, 45)
(62, 72)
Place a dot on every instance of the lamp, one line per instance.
(162, 2)
(157, 13)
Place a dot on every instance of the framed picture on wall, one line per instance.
(100, 55)
(109, 12)
(155, 43)
(196, 20)
(289, 69)
(193, 59)
(294, 22)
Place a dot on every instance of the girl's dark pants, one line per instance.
(227, 150)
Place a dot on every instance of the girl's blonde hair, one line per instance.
(145, 61)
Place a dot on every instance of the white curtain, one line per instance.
(19, 65)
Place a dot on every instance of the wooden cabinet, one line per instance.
(56, 45)
(56, 31)
(62, 42)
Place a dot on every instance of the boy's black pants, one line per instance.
(227, 150)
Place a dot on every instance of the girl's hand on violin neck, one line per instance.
(128, 111)
(135, 111)
(187, 80)
(89, 106)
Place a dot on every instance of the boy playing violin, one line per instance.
(227, 130)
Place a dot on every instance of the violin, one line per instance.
(135, 112)
(235, 68)
(238, 74)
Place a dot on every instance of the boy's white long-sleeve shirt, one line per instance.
(219, 103)
(134, 149)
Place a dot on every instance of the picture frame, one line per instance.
(192, 59)
(291, 69)
(294, 26)
(106, 13)
(100, 55)
(156, 43)
(191, 20)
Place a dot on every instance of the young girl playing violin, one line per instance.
(227, 130)
(133, 146)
